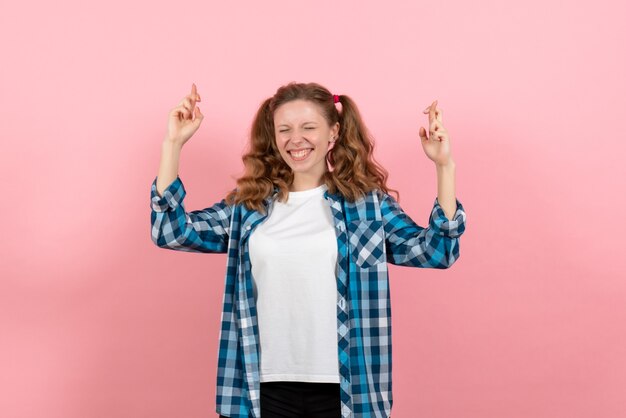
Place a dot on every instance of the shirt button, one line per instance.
(342, 303)
(248, 227)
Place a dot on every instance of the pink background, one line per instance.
(96, 321)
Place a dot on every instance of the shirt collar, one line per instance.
(327, 195)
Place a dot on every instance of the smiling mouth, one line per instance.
(300, 155)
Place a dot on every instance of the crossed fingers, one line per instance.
(435, 124)
(189, 102)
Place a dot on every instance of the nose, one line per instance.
(298, 137)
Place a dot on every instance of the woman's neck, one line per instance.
(305, 183)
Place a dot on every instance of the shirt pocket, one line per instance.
(367, 242)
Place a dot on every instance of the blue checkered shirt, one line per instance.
(371, 232)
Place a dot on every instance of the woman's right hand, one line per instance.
(185, 119)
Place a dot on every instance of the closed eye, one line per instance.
(285, 130)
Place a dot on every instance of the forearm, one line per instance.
(168, 169)
(446, 188)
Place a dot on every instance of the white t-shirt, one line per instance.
(293, 253)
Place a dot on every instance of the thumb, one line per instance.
(198, 115)
(423, 133)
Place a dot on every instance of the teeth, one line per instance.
(300, 154)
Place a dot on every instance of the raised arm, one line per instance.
(205, 230)
(409, 244)
(172, 227)
(437, 245)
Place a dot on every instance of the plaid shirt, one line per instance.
(371, 232)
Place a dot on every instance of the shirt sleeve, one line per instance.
(409, 244)
(205, 230)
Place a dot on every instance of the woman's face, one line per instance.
(303, 137)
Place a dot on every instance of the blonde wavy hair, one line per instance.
(354, 171)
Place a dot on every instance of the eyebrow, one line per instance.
(304, 123)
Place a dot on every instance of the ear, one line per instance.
(335, 130)
(331, 144)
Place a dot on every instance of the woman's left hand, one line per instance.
(437, 144)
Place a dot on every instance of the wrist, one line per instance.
(450, 165)
(171, 146)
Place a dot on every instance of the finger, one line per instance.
(431, 113)
(194, 97)
(435, 126)
(438, 135)
(438, 114)
(184, 114)
(189, 103)
(182, 111)
(422, 134)
(189, 100)
(194, 92)
(442, 136)
(185, 101)
(437, 111)
(198, 116)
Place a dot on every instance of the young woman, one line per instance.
(309, 230)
